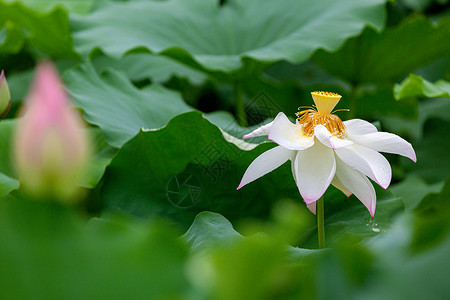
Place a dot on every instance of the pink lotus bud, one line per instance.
(51, 147)
(5, 97)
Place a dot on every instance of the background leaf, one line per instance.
(417, 86)
(178, 175)
(210, 230)
(432, 153)
(111, 102)
(56, 245)
(378, 57)
(8, 182)
(48, 33)
(413, 189)
(140, 66)
(262, 30)
(76, 6)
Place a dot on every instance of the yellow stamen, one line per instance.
(309, 118)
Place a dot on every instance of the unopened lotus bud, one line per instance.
(51, 147)
(5, 97)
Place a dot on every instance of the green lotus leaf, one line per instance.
(413, 189)
(205, 34)
(46, 249)
(210, 230)
(141, 66)
(11, 38)
(187, 167)
(47, 32)
(8, 180)
(112, 103)
(75, 6)
(415, 85)
(428, 109)
(388, 55)
(432, 153)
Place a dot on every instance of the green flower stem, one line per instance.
(239, 104)
(320, 223)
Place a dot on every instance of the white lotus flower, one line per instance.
(324, 150)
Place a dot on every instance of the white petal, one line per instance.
(265, 163)
(367, 161)
(312, 207)
(338, 184)
(358, 126)
(293, 157)
(315, 168)
(385, 142)
(289, 135)
(326, 138)
(260, 131)
(358, 184)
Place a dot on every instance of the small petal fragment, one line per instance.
(338, 184)
(293, 157)
(312, 207)
(265, 163)
(385, 142)
(326, 138)
(315, 168)
(260, 131)
(358, 126)
(358, 184)
(289, 135)
(367, 161)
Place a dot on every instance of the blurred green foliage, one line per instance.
(167, 88)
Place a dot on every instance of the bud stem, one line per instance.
(320, 223)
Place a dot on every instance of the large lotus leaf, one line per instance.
(140, 66)
(432, 153)
(408, 275)
(287, 86)
(421, 5)
(384, 267)
(50, 252)
(11, 38)
(234, 267)
(47, 32)
(415, 85)
(428, 109)
(431, 225)
(8, 181)
(437, 70)
(348, 217)
(358, 267)
(76, 6)
(210, 230)
(413, 189)
(112, 103)
(18, 85)
(188, 167)
(208, 35)
(102, 154)
(389, 55)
